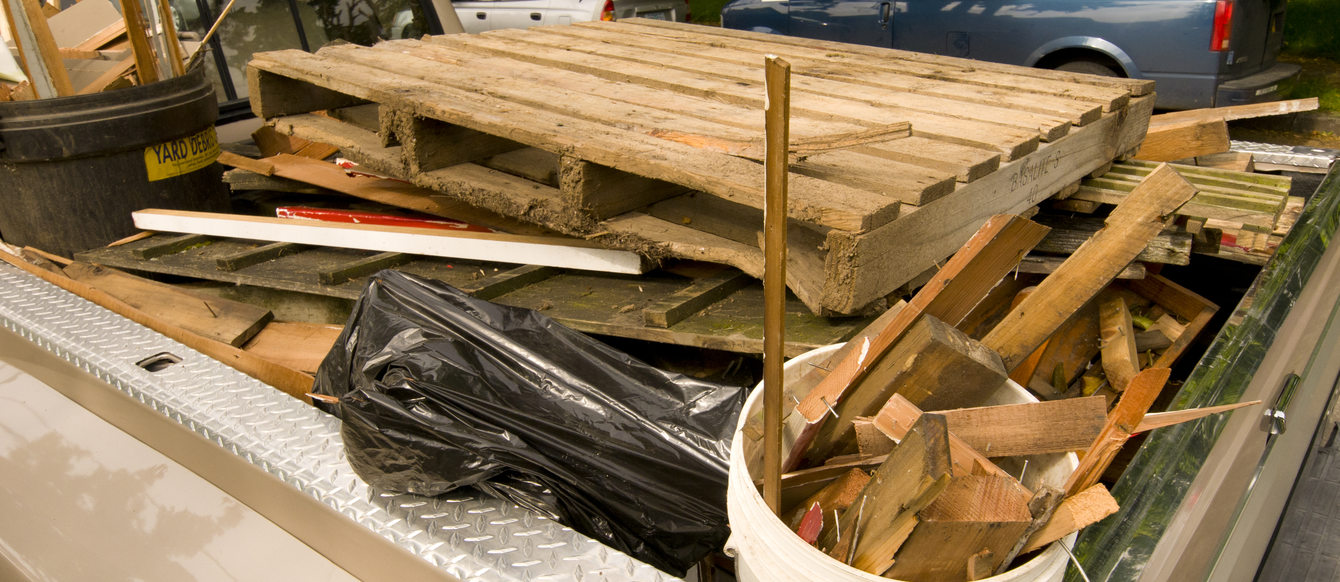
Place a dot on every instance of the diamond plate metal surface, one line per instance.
(470, 536)
(1284, 155)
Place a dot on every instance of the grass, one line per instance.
(706, 11)
(1310, 40)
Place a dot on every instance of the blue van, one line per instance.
(1201, 53)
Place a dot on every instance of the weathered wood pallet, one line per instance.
(696, 305)
(646, 136)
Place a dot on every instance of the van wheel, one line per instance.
(1088, 67)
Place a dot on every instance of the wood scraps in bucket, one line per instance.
(903, 459)
(90, 47)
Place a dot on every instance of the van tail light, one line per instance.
(1223, 25)
(607, 13)
(688, 11)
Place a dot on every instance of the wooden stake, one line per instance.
(776, 166)
(1171, 417)
(176, 56)
(146, 66)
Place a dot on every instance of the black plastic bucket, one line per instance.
(72, 169)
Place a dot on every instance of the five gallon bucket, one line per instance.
(765, 550)
(72, 169)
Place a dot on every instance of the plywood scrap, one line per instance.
(976, 515)
(950, 295)
(1121, 423)
(1184, 139)
(83, 22)
(1031, 428)
(869, 533)
(1120, 356)
(219, 319)
(1128, 229)
(1076, 512)
(286, 379)
(546, 251)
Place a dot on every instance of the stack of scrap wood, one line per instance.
(895, 467)
(88, 47)
(645, 135)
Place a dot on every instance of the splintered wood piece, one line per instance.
(1120, 358)
(1041, 507)
(1184, 139)
(885, 512)
(233, 160)
(1168, 324)
(1121, 422)
(981, 516)
(1171, 417)
(219, 319)
(898, 416)
(811, 524)
(1077, 512)
(871, 441)
(950, 295)
(933, 365)
(1130, 226)
(1032, 428)
(837, 495)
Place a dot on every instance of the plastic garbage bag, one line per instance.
(438, 390)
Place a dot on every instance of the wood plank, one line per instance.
(500, 283)
(932, 365)
(550, 251)
(219, 319)
(949, 296)
(1131, 224)
(1124, 418)
(898, 415)
(233, 160)
(1171, 247)
(910, 479)
(146, 63)
(430, 144)
(1044, 265)
(257, 255)
(1038, 80)
(297, 345)
(720, 174)
(1029, 429)
(171, 245)
(697, 296)
(1121, 361)
(974, 514)
(1233, 112)
(1187, 139)
(284, 378)
(926, 236)
(363, 267)
(103, 37)
(1181, 301)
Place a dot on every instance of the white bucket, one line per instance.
(766, 550)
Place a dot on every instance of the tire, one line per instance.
(1088, 67)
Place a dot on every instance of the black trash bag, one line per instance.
(438, 390)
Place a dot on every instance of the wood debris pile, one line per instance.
(88, 48)
(895, 468)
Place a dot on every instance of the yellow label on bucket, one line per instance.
(181, 156)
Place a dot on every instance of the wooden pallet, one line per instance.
(697, 305)
(646, 135)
